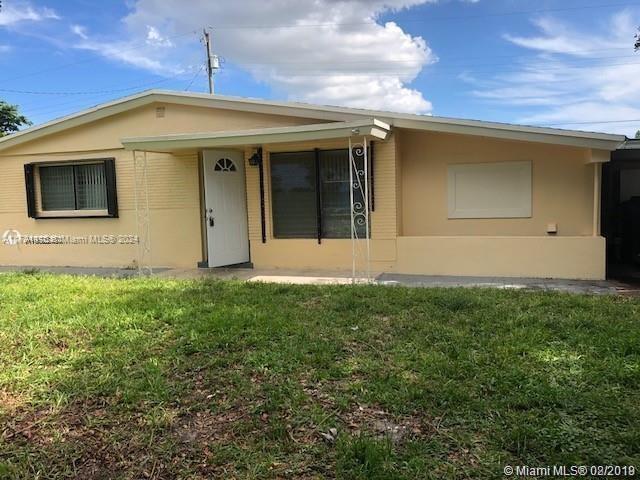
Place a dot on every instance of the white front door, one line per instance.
(226, 207)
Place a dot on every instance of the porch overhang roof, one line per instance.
(323, 131)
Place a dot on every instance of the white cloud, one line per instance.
(566, 82)
(154, 38)
(17, 12)
(325, 51)
(556, 37)
(80, 31)
(124, 51)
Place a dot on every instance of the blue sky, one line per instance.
(566, 63)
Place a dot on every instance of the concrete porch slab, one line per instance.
(294, 277)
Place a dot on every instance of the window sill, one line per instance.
(73, 214)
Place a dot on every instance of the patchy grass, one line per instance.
(151, 378)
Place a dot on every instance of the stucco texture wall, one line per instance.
(562, 185)
(410, 229)
(330, 254)
(562, 193)
(172, 180)
(173, 206)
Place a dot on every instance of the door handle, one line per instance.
(211, 222)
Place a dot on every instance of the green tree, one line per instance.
(637, 37)
(638, 134)
(10, 118)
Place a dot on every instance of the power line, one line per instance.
(378, 72)
(91, 92)
(87, 92)
(396, 72)
(594, 122)
(136, 46)
(590, 123)
(78, 101)
(373, 22)
(194, 78)
(437, 68)
(382, 72)
(412, 62)
(425, 20)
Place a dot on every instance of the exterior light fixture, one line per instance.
(256, 159)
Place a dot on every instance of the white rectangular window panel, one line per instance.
(490, 190)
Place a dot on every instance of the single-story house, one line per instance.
(174, 179)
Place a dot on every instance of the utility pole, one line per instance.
(212, 60)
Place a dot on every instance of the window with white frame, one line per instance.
(84, 188)
(489, 190)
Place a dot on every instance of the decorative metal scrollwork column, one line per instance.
(359, 198)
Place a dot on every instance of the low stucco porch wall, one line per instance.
(539, 257)
(331, 254)
(175, 240)
(581, 258)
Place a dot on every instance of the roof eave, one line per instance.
(525, 134)
(171, 143)
(327, 113)
(76, 119)
(630, 144)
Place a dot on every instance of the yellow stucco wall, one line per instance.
(106, 133)
(509, 256)
(173, 203)
(562, 193)
(173, 188)
(331, 253)
(410, 229)
(562, 186)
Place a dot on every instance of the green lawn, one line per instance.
(167, 379)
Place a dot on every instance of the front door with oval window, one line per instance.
(225, 208)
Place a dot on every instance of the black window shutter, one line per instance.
(31, 190)
(110, 177)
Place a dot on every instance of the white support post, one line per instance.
(141, 195)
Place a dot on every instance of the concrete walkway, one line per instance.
(573, 286)
(318, 277)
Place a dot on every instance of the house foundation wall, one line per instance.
(537, 257)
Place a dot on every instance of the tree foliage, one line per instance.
(10, 119)
(637, 37)
(638, 134)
